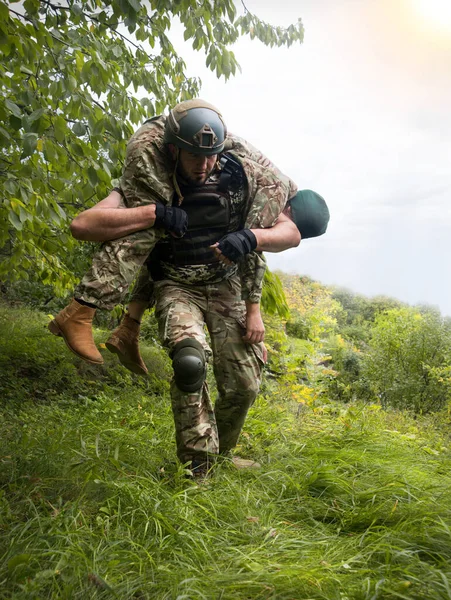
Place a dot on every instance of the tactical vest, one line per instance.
(208, 210)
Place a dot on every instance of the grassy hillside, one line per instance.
(351, 502)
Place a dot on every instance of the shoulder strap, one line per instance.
(229, 167)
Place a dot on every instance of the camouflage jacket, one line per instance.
(148, 177)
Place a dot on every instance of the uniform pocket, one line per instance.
(259, 351)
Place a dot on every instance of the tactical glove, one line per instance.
(172, 218)
(236, 245)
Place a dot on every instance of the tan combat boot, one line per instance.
(124, 341)
(74, 325)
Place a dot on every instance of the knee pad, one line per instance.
(188, 362)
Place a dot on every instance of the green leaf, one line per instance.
(35, 115)
(61, 212)
(79, 60)
(135, 4)
(92, 175)
(4, 134)
(77, 149)
(23, 214)
(10, 186)
(26, 70)
(12, 106)
(15, 122)
(106, 168)
(16, 223)
(49, 149)
(4, 12)
(71, 82)
(60, 128)
(79, 128)
(55, 217)
(30, 141)
(31, 7)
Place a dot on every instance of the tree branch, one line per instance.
(96, 20)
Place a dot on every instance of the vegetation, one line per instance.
(351, 501)
(76, 79)
(352, 425)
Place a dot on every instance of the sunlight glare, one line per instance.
(435, 12)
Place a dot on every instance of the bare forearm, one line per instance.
(255, 329)
(252, 307)
(282, 236)
(100, 224)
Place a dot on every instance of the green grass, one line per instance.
(351, 502)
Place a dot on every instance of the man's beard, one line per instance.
(193, 180)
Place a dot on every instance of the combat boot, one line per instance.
(74, 325)
(124, 341)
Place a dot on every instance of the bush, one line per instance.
(298, 328)
(407, 360)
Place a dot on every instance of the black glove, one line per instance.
(236, 245)
(172, 218)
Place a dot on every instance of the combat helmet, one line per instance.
(196, 126)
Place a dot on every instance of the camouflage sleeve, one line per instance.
(135, 184)
(252, 272)
(148, 168)
(269, 188)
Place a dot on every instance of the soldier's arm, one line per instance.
(282, 236)
(255, 329)
(109, 219)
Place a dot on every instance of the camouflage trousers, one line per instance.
(115, 266)
(183, 312)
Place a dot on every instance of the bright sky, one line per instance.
(361, 113)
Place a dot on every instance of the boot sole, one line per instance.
(131, 366)
(54, 328)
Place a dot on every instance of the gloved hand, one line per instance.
(172, 218)
(236, 245)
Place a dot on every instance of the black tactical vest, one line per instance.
(208, 210)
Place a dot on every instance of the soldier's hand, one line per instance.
(235, 245)
(220, 255)
(255, 329)
(171, 218)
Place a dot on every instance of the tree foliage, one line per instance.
(409, 359)
(314, 311)
(359, 313)
(76, 78)
(273, 296)
(373, 349)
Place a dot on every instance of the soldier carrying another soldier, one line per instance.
(199, 206)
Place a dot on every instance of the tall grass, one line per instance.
(351, 502)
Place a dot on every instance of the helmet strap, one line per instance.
(174, 177)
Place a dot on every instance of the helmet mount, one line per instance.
(196, 126)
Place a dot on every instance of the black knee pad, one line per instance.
(188, 362)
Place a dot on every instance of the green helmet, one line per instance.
(310, 213)
(196, 126)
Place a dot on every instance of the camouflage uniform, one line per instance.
(182, 310)
(148, 178)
